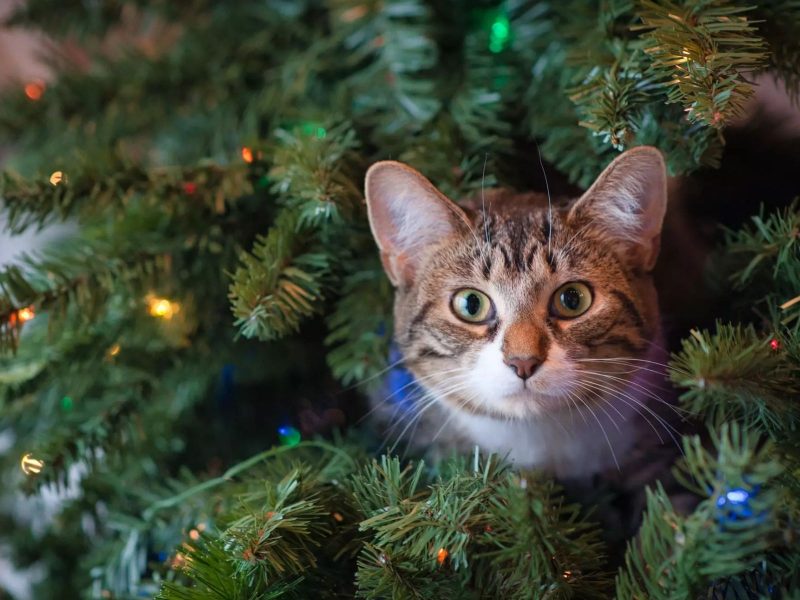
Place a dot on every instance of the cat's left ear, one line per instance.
(628, 202)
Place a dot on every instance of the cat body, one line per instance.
(531, 328)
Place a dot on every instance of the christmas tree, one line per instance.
(186, 370)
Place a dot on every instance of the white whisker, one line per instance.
(549, 200)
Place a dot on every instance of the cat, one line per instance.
(531, 327)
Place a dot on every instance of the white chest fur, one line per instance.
(565, 444)
(579, 440)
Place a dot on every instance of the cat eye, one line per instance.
(571, 300)
(472, 306)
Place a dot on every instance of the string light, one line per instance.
(314, 130)
(25, 314)
(499, 33)
(56, 177)
(190, 188)
(337, 517)
(179, 561)
(114, 350)
(194, 534)
(775, 344)
(162, 308)
(66, 403)
(288, 435)
(31, 465)
(34, 90)
(442, 555)
(247, 154)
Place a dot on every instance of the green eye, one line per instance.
(571, 300)
(472, 306)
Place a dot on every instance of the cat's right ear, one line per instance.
(407, 215)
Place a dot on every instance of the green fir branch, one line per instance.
(315, 170)
(394, 48)
(277, 284)
(360, 325)
(87, 192)
(771, 241)
(703, 51)
(677, 556)
(778, 22)
(734, 374)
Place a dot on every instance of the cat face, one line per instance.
(509, 308)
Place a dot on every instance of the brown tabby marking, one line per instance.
(519, 252)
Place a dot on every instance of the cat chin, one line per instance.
(523, 405)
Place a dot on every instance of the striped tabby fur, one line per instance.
(582, 409)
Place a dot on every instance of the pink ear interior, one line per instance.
(628, 201)
(407, 215)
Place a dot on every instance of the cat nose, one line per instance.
(523, 367)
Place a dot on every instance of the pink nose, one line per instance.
(523, 367)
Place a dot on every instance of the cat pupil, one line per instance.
(473, 304)
(571, 298)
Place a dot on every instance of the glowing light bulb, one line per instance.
(31, 465)
(499, 33)
(442, 555)
(25, 314)
(162, 307)
(34, 90)
(57, 177)
(288, 435)
(247, 154)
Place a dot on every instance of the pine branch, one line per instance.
(611, 101)
(734, 374)
(276, 527)
(703, 51)
(488, 529)
(771, 240)
(278, 285)
(728, 534)
(540, 547)
(360, 325)
(182, 86)
(57, 19)
(216, 577)
(614, 87)
(88, 192)
(285, 277)
(393, 46)
(84, 273)
(778, 23)
(315, 170)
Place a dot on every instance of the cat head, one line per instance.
(510, 307)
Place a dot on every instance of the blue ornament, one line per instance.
(735, 505)
(400, 388)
